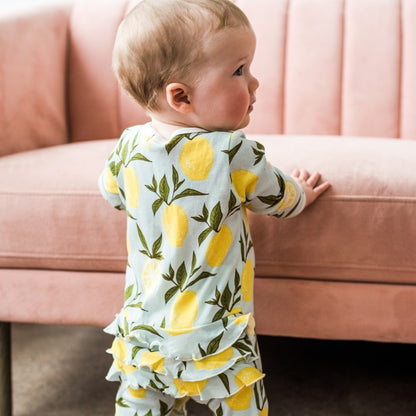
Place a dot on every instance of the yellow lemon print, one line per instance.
(131, 184)
(137, 393)
(234, 311)
(151, 275)
(196, 158)
(244, 182)
(291, 195)
(248, 376)
(190, 388)
(153, 360)
(146, 141)
(240, 400)
(175, 224)
(264, 412)
(251, 323)
(214, 361)
(218, 246)
(244, 380)
(119, 350)
(184, 312)
(128, 244)
(247, 280)
(242, 319)
(110, 183)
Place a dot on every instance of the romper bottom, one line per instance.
(149, 402)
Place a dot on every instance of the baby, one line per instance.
(185, 180)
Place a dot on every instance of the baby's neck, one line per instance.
(166, 130)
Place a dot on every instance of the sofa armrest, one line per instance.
(33, 50)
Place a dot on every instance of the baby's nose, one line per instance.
(254, 83)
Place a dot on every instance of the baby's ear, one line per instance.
(177, 96)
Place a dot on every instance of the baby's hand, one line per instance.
(309, 184)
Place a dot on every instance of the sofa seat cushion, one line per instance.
(362, 229)
(54, 216)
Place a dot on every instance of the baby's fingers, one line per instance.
(313, 179)
(320, 189)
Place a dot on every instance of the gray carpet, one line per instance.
(59, 371)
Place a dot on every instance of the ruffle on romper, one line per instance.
(221, 364)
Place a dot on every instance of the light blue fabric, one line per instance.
(188, 310)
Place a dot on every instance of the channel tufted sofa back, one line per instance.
(350, 73)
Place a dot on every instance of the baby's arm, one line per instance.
(309, 185)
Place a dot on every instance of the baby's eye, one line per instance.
(239, 71)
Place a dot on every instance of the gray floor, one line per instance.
(59, 371)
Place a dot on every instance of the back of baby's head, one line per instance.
(161, 41)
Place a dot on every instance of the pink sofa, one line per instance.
(337, 94)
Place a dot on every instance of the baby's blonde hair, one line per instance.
(161, 41)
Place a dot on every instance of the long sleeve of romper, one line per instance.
(263, 188)
(108, 182)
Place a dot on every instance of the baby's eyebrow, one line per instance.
(242, 59)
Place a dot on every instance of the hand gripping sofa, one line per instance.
(337, 94)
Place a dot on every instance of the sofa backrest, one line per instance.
(331, 67)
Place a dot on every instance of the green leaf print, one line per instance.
(272, 200)
(175, 140)
(126, 150)
(226, 297)
(225, 381)
(219, 314)
(142, 239)
(201, 351)
(155, 253)
(179, 279)
(137, 305)
(163, 190)
(258, 153)
(231, 153)
(181, 275)
(128, 292)
(156, 205)
(257, 397)
(156, 247)
(202, 237)
(214, 344)
(203, 275)
(232, 204)
(139, 156)
(135, 351)
(172, 143)
(149, 413)
(171, 293)
(147, 328)
(187, 192)
(216, 217)
(124, 154)
(219, 411)
(121, 403)
(163, 408)
(227, 300)
(115, 168)
(246, 243)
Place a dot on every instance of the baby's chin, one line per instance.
(232, 127)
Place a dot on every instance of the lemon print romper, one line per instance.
(186, 329)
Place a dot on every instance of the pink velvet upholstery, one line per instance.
(33, 50)
(337, 94)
